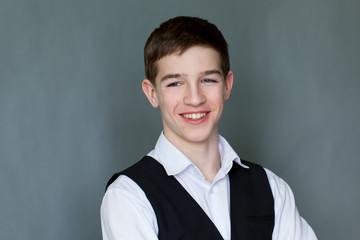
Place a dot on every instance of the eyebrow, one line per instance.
(209, 72)
(178, 75)
(171, 75)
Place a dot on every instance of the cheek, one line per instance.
(168, 102)
(218, 102)
(218, 96)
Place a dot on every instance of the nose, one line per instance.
(194, 95)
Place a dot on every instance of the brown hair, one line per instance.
(177, 35)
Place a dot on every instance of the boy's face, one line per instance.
(190, 91)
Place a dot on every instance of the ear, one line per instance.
(228, 85)
(150, 92)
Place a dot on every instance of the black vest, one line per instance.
(180, 217)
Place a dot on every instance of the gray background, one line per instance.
(72, 111)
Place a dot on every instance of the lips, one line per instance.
(194, 116)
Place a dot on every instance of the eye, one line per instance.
(174, 84)
(207, 80)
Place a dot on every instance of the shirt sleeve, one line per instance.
(288, 222)
(126, 213)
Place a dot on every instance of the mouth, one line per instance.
(194, 116)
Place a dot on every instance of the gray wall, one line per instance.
(72, 111)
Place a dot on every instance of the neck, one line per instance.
(204, 155)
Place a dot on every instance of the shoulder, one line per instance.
(125, 209)
(252, 170)
(278, 186)
(124, 194)
(282, 193)
(123, 184)
(138, 171)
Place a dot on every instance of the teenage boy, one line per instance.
(193, 185)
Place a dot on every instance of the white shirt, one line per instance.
(126, 213)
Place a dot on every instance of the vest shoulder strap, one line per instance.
(251, 203)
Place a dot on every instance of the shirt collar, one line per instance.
(174, 161)
(228, 155)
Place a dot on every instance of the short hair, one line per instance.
(178, 34)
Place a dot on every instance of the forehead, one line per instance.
(192, 61)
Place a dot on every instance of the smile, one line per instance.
(194, 116)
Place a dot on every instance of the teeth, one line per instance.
(194, 116)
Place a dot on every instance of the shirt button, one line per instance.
(211, 190)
